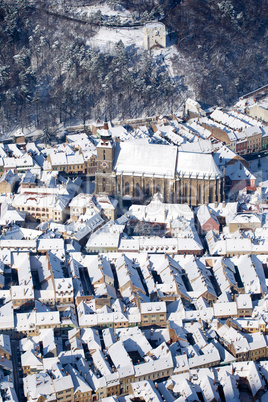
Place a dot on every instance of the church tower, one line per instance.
(105, 179)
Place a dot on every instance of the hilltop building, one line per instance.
(154, 35)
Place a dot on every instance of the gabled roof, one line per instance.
(158, 160)
(29, 359)
(194, 164)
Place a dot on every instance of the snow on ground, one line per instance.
(165, 56)
(32, 132)
(107, 37)
(260, 171)
(176, 70)
(105, 10)
(26, 131)
(133, 37)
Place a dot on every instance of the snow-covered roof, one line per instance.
(158, 160)
(193, 164)
(225, 309)
(146, 390)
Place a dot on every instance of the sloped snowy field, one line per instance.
(104, 8)
(107, 37)
(133, 37)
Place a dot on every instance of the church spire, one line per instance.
(105, 133)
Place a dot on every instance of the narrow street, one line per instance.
(16, 362)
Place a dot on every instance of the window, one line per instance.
(199, 193)
(147, 191)
(138, 190)
(104, 154)
(126, 188)
(185, 191)
(211, 193)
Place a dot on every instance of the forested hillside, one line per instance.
(50, 74)
(226, 42)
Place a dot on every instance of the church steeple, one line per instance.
(105, 156)
(105, 133)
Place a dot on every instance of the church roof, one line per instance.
(147, 159)
(162, 161)
(197, 164)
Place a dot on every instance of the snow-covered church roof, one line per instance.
(196, 164)
(147, 159)
(132, 157)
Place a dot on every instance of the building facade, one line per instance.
(154, 35)
(134, 171)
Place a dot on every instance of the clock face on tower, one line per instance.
(104, 164)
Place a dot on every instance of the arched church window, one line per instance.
(211, 191)
(147, 191)
(126, 188)
(138, 190)
(200, 201)
(185, 192)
